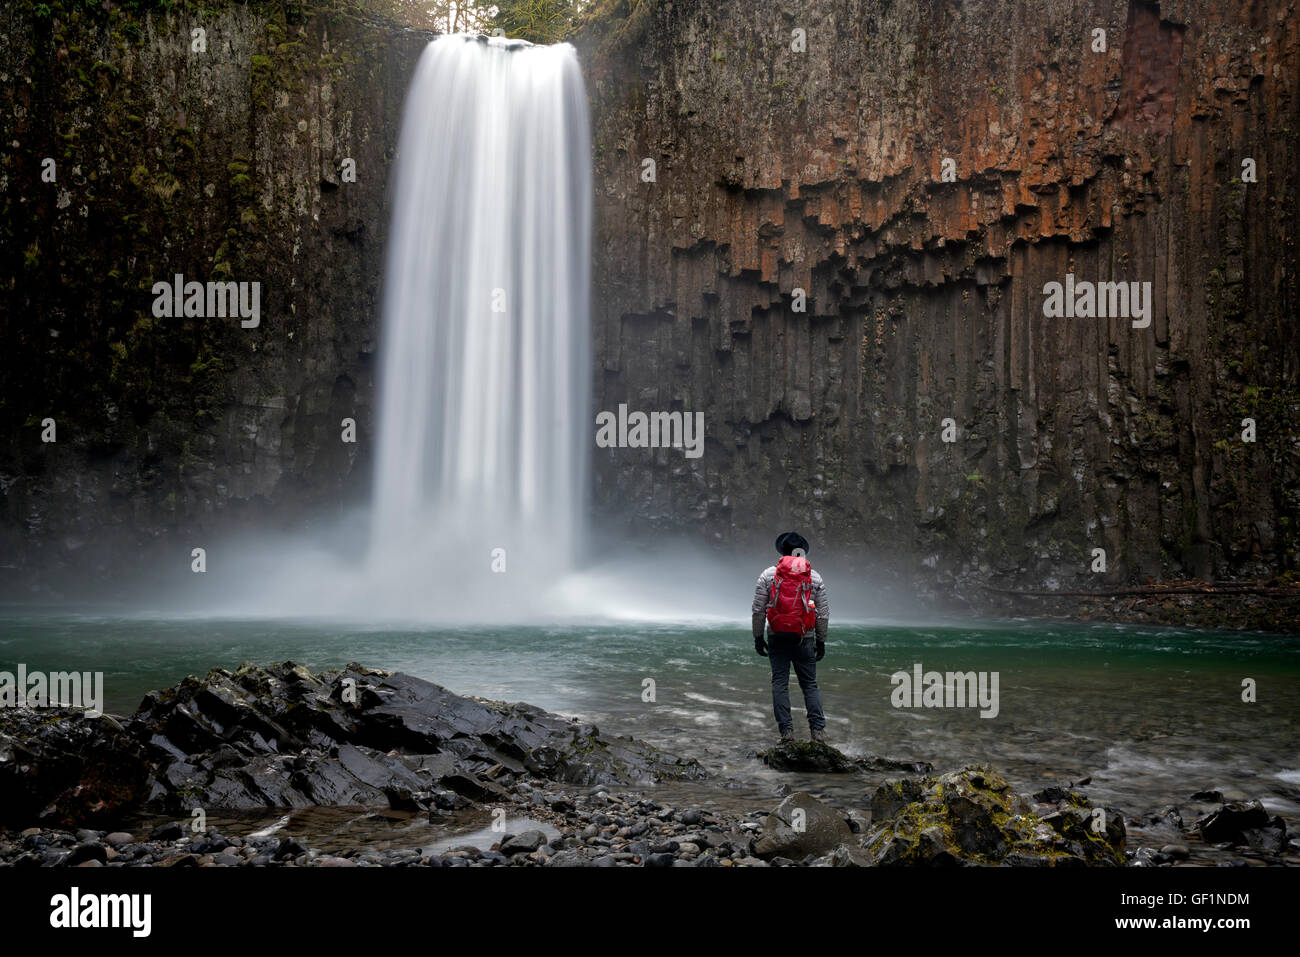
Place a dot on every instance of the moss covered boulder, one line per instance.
(974, 817)
(820, 758)
(812, 756)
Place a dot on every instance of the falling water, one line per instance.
(485, 374)
(479, 506)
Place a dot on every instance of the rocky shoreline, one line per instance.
(74, 789)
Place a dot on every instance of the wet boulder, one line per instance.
(524, 843)
(801, 825)
(817, 757)
(813, 756)
(1244, 822)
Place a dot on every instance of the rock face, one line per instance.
(284, 737)
(823, 171)
(227, 164)
(973, 816)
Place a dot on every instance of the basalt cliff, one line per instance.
(828, 226)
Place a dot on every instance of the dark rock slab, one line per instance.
(283, 736)
(467, 784)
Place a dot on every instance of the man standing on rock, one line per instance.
(791, 598)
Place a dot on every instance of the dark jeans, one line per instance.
(784, 650)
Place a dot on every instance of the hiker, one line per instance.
(791, 598)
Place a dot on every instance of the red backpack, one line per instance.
(790, 606)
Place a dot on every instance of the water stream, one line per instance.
(483, 408)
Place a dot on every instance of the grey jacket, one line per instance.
(763, 592)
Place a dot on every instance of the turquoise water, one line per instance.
(1151, 714)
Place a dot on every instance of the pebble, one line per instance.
(167, 832)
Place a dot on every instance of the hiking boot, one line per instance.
(787, 737)
(819, 736)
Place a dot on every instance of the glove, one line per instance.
(821, 650)
(760, 645)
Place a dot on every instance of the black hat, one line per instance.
(787, 542)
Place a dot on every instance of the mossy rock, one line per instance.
(819, 758)
(974, 817)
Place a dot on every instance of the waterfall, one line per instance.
(485, 365)
(484, 427)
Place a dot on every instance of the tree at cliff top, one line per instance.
(538, 21)
(444, 16)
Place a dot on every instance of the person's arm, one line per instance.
(762, 593)
(823, 609)
(759, 612)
